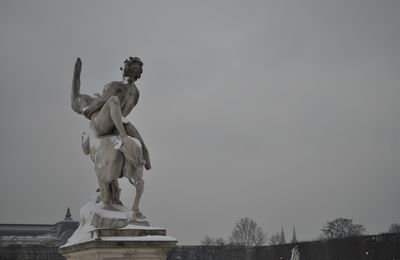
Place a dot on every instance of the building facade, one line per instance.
(35, 241)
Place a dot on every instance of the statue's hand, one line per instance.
(78, 68)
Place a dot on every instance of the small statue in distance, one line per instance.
(110, 144)
(295, 253)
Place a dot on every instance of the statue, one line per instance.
(295, 253)
(107, 229)
(111, 142)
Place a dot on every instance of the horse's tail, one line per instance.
(85, 143)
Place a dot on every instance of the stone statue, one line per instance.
(107, 229)
(295, 253)
(111, 142)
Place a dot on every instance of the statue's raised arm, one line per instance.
(79, 101)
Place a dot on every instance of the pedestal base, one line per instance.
(110, 244)
(112, 235)
(113, 250)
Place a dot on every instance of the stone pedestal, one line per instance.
(114, 234)
(126, 243)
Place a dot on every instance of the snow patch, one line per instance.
(140, 238)
(85, 233)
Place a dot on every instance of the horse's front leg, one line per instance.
(105, 194)
(108, 166)
(115, 193)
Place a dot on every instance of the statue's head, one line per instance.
(133, 68)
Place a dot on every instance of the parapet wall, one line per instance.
(378, 247)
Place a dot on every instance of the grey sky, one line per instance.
(286, 112)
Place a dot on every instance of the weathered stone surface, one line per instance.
(129, 232)
(121, 253)
(136, 243)
(103, 222)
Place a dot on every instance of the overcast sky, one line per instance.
(286, 112)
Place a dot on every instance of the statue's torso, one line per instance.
(128, 95)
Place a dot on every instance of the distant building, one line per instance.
(35, 241)
(282, 240)
(294, 237)
(41, 242)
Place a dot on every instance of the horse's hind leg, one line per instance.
(139, 185)
(139, 191)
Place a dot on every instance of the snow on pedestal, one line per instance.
(105, 234)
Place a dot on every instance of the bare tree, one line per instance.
(210, 241)
(219, 242)
(206, 241)
(394, 228)
(341, 228)
(275, 239)
(246, 232)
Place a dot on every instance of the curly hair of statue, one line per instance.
(128, 63)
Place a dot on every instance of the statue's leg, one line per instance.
(115, 192)
(133, 132)
(108, 117)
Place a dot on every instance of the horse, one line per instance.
(112, 160)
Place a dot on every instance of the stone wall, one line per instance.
(379, 247)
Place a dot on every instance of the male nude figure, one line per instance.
(106, 112)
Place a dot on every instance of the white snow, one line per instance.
(84, 232)
(132, 226)
(140, 238)
(116, 140)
